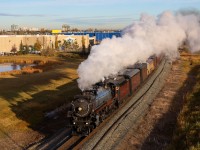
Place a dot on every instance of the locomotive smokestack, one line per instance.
(150, 35)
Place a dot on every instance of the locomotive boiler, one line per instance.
(86, 112)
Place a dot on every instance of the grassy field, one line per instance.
(187, 134)
(25, 98)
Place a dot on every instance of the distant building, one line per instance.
(8, 41)
(28, 29)
(34, 29)
(56, 31)
(23, 28)
(14, 27)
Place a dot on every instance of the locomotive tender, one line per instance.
(90, 108)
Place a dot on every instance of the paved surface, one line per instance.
(153, 86)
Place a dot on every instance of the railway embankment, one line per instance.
(173, 118)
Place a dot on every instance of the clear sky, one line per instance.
(84, 14)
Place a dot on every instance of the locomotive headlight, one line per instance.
(87, 123)
(74, 122)
(79, 109)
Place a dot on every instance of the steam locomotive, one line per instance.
(92, 106)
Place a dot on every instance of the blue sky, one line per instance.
(84, 14)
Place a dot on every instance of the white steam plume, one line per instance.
(148, 36)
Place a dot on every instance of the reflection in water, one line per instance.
(14, 66)
(11, 66)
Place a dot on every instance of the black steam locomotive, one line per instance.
(92, 106)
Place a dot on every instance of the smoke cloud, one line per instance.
(150, 35)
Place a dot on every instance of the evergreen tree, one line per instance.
(83, 45)
(26, 49)
(37, 45)
(56, 43)
(21, 46)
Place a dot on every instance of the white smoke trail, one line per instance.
(148, 36)
(190, 23)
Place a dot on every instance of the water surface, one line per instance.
(4, 67)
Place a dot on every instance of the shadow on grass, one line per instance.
(33, 110)
(35, 104)
(162, 134)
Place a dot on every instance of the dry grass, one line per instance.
(26, 59)
(25, 98)
(43, 63)
(161, 126)
(187, 134)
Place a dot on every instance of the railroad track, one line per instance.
(53, 142)
(71, 143)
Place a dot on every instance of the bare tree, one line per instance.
(65, 27)
(14, 49)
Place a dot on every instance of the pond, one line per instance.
(4, 67)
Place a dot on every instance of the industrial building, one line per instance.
(46, 41)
